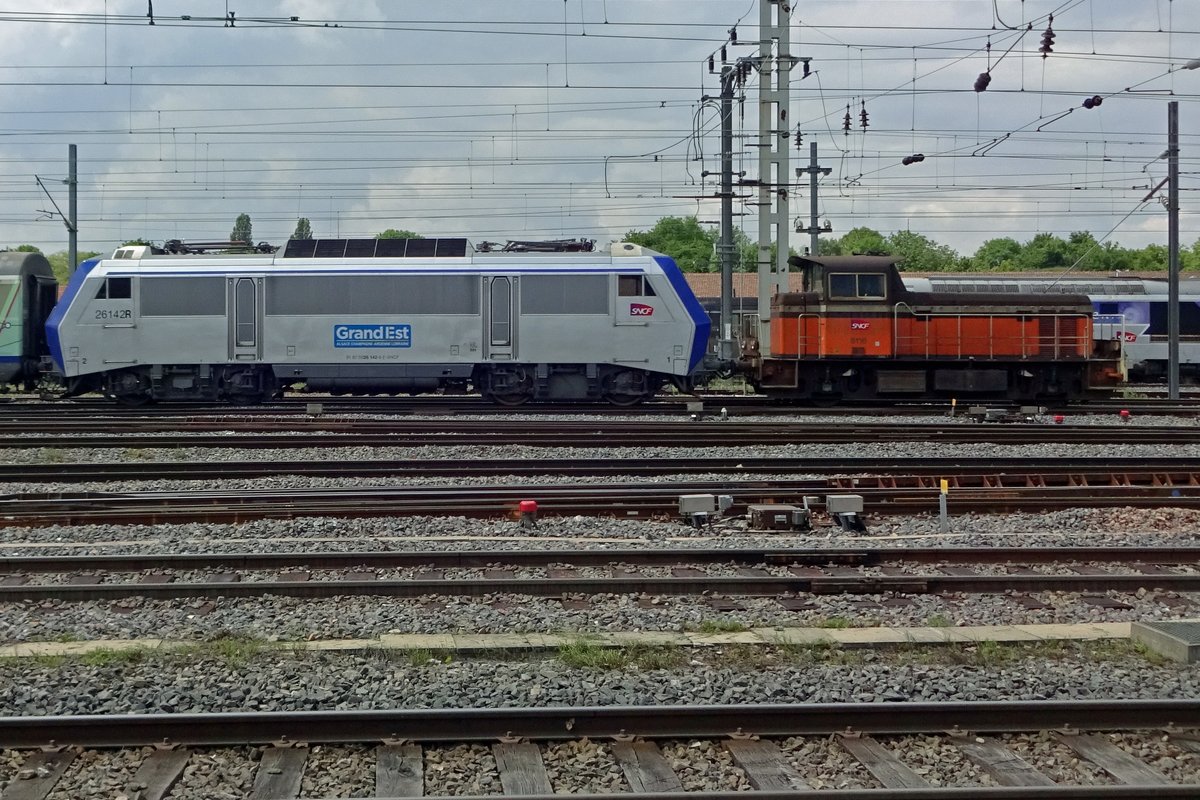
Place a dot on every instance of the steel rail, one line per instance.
(999, 470)
(479, 559)
(290, 433)
(1120, 792)
(625, 500)
(619, 494)
(740, 586)
(737, 403)
(458, 725)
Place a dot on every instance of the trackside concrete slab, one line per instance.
(533, 642)
(1178, 640)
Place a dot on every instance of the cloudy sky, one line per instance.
(563, 118)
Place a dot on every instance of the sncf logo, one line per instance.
(859, 325)
(640, 310)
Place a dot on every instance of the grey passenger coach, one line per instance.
(366, 316)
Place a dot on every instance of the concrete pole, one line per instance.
(72, 212)
(1173, 250)
(813, 170)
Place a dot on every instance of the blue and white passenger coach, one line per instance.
(378, 316)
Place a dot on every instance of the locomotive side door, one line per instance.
(500, 294)
(245, 304)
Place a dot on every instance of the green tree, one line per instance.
(58, 263)
(1084, 252)
(392, 233)
(861, 241)
(1190, 258)
(920, 253)
(1044, 251)
(303, 229)
(682, 239)
(242, 231)
(27, 248)
(996, 255)
(137, 243)
(1151, 258)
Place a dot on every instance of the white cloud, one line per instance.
(446, 130)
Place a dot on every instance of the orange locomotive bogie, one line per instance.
(857, 332)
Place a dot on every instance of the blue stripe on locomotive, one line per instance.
(60, 310)
(695, 310)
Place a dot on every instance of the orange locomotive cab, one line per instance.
(856, 331)
(843, 310)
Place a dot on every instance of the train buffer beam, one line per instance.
(700, 509)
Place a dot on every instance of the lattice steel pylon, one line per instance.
(775, 63)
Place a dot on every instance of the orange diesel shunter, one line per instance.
(855, 332)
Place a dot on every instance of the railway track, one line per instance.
(963, 471)
(262, 432)
(736, 404)
(758, 573)
(631, 738)
(627, 500)
(641, 557)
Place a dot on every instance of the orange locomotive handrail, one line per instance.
(1030, 347)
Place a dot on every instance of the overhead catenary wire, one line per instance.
(259, 156)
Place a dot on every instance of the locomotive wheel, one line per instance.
(623, 400)
(129, 388)
(516, 386)
(825, 400)
(266, 388)
(624, 388)
(515, 399)
(134, 400)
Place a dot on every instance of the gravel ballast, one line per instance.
(282, 681)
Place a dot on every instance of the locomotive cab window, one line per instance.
(855, 286)
(115, 289)
(634, 286)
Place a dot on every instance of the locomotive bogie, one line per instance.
(833, 380)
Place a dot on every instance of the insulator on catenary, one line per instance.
(1093, 101)
(711, 65)
(981, 83)
(915, 158)
(846, 121)
(733, 35)
(862, 116)
(1048, 39)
